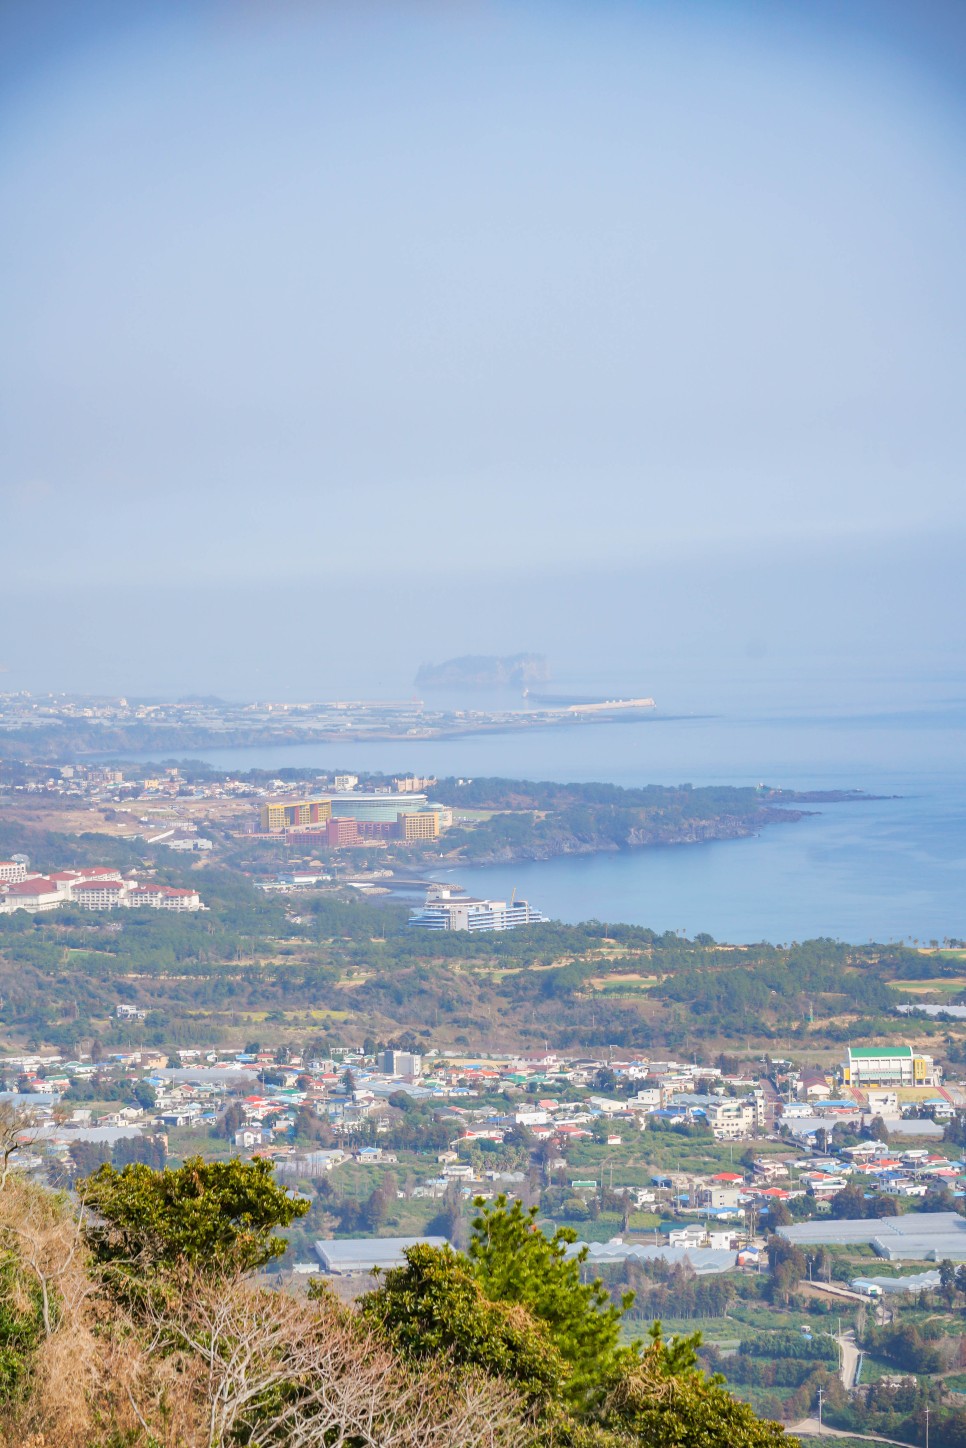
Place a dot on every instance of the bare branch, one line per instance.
(17, 1130)
(48, 1242)
(278, 1370)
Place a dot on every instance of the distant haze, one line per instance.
(342, 337)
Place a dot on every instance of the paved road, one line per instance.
(810, 1425)
(850, 1358)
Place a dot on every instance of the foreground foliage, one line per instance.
(218, 1215)
(138, 1323)
(516, 1308)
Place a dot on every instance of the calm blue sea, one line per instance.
(888, 869)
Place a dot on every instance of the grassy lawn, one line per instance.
(948, 985)
(645, 1152)
(186, 1141)
(608, 1225)
(767, 1402)
(762, 1317)
(874, 1368)
(624, 992)
(623, 978)
(718, 1330)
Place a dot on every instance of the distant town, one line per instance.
(807, 1138)
(43, 726)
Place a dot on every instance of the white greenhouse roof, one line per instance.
(362, 1254)
(916, 1237)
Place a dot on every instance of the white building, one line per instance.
(400, 1063)
(717, 1198)
(447, 908)
(100, 889)
(732, 1119)
(698, 1236)
(889, 1066)
(162, 897)
(33, 895)
(98, 894)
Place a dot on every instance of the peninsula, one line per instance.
(498, 821)
(50, 727)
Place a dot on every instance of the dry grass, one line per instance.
(39, 1230)
(206, 1360)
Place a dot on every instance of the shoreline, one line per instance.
(134, 752)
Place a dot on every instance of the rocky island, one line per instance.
(484, 671)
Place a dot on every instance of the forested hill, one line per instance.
(347, 969)
(537, 820)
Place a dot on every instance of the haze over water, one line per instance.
(343, 337)
(886, 869)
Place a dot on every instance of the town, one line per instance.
(876, 1127)
(37, 726)
(764, 1202)
(168, 807)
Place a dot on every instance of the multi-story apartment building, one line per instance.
(732, 1118)
(339, 833)
(353, 817)
(12, 872)
(37, 893)
(400, 1063)
(104, 889)
(279, 815)
(421, 826)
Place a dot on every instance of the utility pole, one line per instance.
(927, 1427)
(820, 1410)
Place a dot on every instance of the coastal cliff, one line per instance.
(501, 820)
(546, 840)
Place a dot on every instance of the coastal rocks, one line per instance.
(679, 832)
(722, 827)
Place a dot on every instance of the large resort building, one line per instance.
(448, 908)
(287, 814)
(98, 887)
(355, 816)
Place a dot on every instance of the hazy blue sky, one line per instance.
(572, 312)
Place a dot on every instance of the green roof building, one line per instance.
(889, 1066)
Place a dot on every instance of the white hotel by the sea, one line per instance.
(447, 907)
